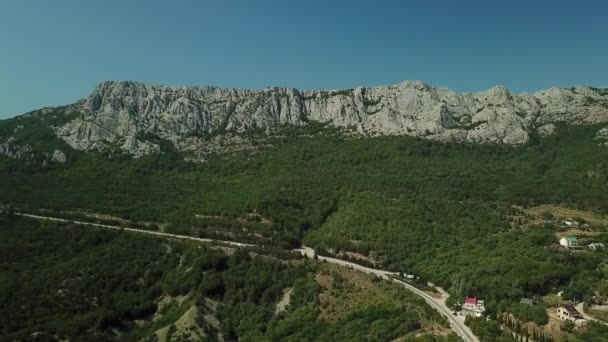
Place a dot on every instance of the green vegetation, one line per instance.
(371, 102)
(488, 330)
(595, 332)
(164, 145)
(62, 281)
(530, 313)
(36, 129)
(437, 210)
(342, 92)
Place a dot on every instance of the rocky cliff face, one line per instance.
(120, 112)
(15, 151)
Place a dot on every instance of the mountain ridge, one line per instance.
(118, 113)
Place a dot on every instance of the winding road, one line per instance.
(456, 323)
(438, 304)
(581, 308)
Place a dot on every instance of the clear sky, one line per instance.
(54, 52)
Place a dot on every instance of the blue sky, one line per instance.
(54, 52)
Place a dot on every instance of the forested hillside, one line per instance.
(71, 282)
(455, 214)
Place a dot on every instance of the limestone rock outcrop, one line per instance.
(13, 150)
(118, 113)
(59, 157)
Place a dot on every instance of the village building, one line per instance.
(568, 242)
(527, 301)
(473, 307)
(569, 313)
(596, 246)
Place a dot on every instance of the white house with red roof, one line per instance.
(473, 306)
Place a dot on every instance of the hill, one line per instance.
(140, 119)
(478, 218)
(103, 286)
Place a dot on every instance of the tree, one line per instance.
(547, 215)
(568, 326)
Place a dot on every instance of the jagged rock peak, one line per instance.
(120, 111)
(415, 84)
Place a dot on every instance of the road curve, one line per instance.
(581, 308)
(438, 304)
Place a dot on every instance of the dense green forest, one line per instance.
(62, 281)
(438, 210)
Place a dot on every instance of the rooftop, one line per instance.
(528, 301)
(470, 300)
(573, 312)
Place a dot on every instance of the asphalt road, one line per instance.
(439, 305)
(580, 308)
(136, 230)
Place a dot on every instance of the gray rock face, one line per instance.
(13, 150)
(59, 157)
(602, 134)
(117, 112)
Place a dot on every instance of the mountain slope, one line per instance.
(455, 214)
(105, 286)
(122, 113)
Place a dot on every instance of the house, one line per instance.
(527, 301)
(596, 246)
(473, 307)
(569, 313)
(569, 242)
